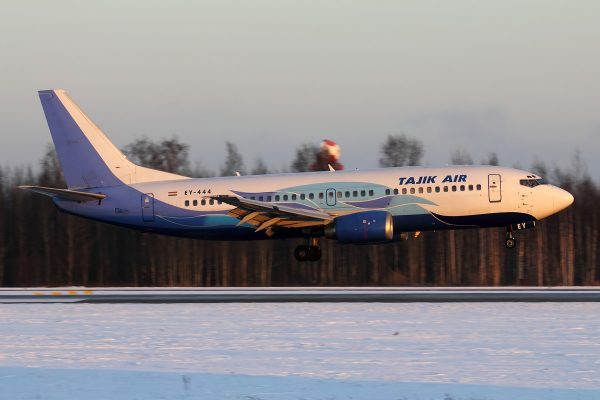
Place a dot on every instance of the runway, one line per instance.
(299, 295)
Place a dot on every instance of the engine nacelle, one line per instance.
(362, 227)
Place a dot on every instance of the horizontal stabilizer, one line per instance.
(65, 194)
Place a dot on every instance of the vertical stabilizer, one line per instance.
(87, 157)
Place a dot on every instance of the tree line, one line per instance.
(40, 246)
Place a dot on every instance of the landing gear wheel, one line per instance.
(311, 251)
(301, 252)
(510, 243)
(510, 239)
(314, 253)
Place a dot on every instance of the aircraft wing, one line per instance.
(65, 194)
(266, 216)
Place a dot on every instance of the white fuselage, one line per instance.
(418, 198)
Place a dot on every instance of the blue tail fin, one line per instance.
(88, 158)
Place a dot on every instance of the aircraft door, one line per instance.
(330, 197)
(494, 188)
(148, 207)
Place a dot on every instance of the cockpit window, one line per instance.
(533, 182)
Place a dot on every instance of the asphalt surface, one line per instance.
(305, 294)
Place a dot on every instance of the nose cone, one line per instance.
(562, 199)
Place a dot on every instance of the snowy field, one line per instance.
(300, 351)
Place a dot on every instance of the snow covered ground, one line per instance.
(300, 351)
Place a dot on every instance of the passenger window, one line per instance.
(260, 198)
(454, 188)
(363, 193)
(187, 203)
(478, 187)
(404, 191)
(211, 202)
(311, 196)
(412, 190)
(371, 193)
(203, 202)
(347, 194)
(321, 195)
(285, 197)
(437, 189)
(195, 203)
(339, 195)
(471, 188)
(302, 196)
(445, 188)
(395, 191)
(269, 198)
(330, 194)
(294, 197)
(355, 193)
(420, 190)
(387, 191)
(277, 197)
(429, 189)
(462, 188)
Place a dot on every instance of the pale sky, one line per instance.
(521, 78)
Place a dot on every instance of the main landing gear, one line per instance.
(311, 251)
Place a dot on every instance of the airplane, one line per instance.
(353, 207)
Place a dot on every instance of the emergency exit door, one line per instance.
(148, 207)
(330, 197)
(494, 188)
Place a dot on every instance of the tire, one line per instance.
(301, 253)
(314, 253)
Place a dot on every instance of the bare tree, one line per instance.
(493, 159)
(199, 171)
(460, 157)
(174, 155)
(51, 173)
(170, 155)
(233, 162)
(400, 150)
(143, 152)
(540, 168)
(260, 168)
(306, 156)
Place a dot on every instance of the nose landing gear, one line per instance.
(510, 241)
(311, 251)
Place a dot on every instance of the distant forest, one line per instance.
(40, 246)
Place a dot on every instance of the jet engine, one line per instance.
(362, 227)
